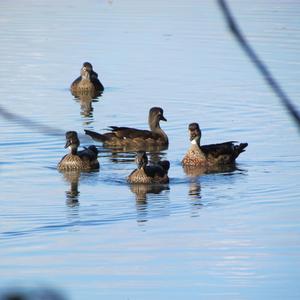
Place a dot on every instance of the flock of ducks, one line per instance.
(204, 157)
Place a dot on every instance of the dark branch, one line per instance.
(29, 123)
(258, 62)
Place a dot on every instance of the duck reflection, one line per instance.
(85, 99)
(195, 189)
(194, 174)
(141, 192)
(72, 195)
(193, 171)
(127, 154)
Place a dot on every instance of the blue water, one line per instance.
(232, 235)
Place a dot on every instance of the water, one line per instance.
(233, 235)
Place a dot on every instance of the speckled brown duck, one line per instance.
(145, 173)
(84, 160)
(210, 156)
(126, 136)
(87, 82)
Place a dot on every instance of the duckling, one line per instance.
(84, 160)
(87, 81)
(210, 156)
(125, 136)
(144, 173)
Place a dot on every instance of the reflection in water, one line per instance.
(195, 188)
(193, 171)
(86, 98)
(72, 195)
(141, 191)
(128, 154)
(195, 196)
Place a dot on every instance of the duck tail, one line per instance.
(165, 164)
(96, 136)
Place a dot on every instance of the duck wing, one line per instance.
(153, 171)
(160, 170)
(89, 158)
(87, 153)
(131, 133)
(227, 148)
(122, 133)
(98, 136)
(97, 84)
(165, 164)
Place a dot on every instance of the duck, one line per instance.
(87, 82)
(157, 173)
(85, 85)
(126, 136)
(84, 160)
(210, 156)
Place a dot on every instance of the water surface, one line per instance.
(232, 235)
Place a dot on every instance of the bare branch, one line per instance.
(26, 122)
(262, 68)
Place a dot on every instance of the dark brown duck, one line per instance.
(210, 155)
(87, 81)
(84, 160)
(145, 173)
(126, 136)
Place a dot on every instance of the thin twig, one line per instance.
(275, 86)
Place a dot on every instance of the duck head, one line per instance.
(88, 66)
(156, 114)
(195, 133)
(85, 74)
(72, 141)
(141, 159)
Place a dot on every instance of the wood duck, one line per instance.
(210, 156)
(87, 81)
(144, 173)
(85, 85)
(84, 160)
(125, 136)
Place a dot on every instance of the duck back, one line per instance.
(223, 152)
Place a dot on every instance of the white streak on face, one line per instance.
(194, 141)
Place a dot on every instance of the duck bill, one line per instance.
(195, 139)
(163, 118)
(139, 162)
(68, 143)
